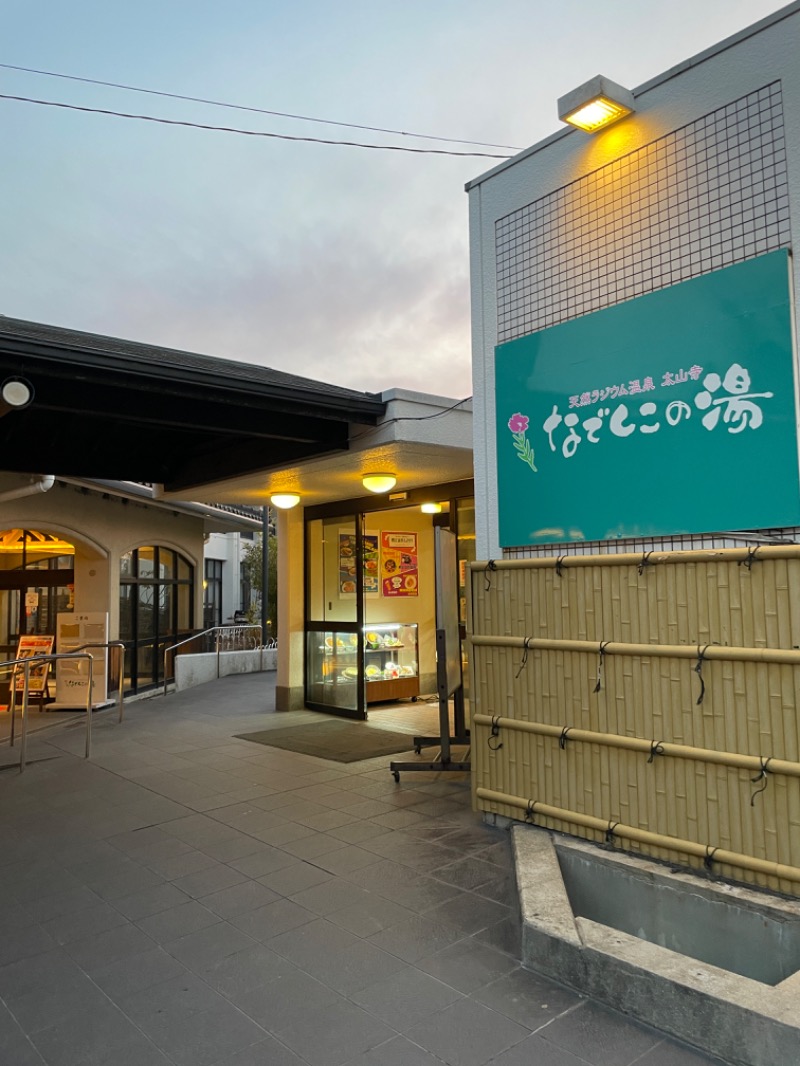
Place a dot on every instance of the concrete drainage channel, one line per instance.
(715, 965)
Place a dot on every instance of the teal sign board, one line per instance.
(671, 413)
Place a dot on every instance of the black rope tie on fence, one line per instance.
(562, 740)
(645, 561)
(752, 557)
(610, 832)
(601, 652)
(560, 566)
(494, 733)
(701, 654)
(709, 859)
(491, 568)
(762, 774)
(525, 645)
(530, 810)
(656, 748)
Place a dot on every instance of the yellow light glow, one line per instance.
(596, 114)
(284, 500)
(379, 482)
(431, 508)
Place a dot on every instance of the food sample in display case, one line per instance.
(391, 661)
(391, 666)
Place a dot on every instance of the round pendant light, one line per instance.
(379, 481)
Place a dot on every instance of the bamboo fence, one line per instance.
(650, 701)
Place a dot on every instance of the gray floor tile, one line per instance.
(396, 1052)
(330, 1035)
(100, 1035)
(468, 913)
(467, 965)
(534, 1049)
(265, 860)
(273, 919)
(312, 847)
(526, 998)
(405, 998)
(287, 1000)
(269, 1052)
(332, 895)
(670, 1053)
(369, 915)
(467, 1034)
(239, 899)
(602, 1037)
(467, 873)
(40, 1009)
(248, 969)
(208, 946)
(294, 879)
(94, 952)
(415, 938)
(205, 1037)
(44, 971)
(179, 996)
(126, 976)
(178, 921)
(212, 879)
(149, 901)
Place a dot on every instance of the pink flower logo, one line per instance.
(518, 424)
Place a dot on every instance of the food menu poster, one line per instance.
(399, 564)
(30, 646)
(347, 563)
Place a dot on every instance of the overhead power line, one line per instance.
(251, 133)
(255, 110)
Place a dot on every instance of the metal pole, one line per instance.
(264, 572)
(23, 744)
(90, 664)
(13, 703)
(121, 651)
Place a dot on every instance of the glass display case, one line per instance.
(390, 657)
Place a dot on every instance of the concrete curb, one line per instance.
(743, 1021)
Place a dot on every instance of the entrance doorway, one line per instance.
(371, 603)
(37, 581)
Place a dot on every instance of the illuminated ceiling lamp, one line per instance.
(431, 508)
(596, 104)
(284, 500)
(379, 481)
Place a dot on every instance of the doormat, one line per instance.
(340, 741)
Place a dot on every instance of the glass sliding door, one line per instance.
(334, 616)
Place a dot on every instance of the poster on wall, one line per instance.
(371, 548)
(671, 413)
(29, 647)
(399, 564)
(347, 564)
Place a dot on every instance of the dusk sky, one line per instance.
(342, 264)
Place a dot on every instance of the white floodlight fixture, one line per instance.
(596, 104)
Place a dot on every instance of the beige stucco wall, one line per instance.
(102, 530)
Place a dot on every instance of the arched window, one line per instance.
(156, 609)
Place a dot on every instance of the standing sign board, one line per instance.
(668, 414)
(75, 630)
(30, 646)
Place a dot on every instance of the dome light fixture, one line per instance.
(284, 500)
(379, 481)
(431, 508)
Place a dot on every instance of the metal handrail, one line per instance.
(113, 644)
(26, 664)
(205, 633)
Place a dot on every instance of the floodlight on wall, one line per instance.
(15, 395)
(284, 500)
(379, 482)
(596, 104)
(431, 508)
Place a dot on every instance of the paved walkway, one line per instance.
(188, 898)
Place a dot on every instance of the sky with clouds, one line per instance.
(342, 264)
